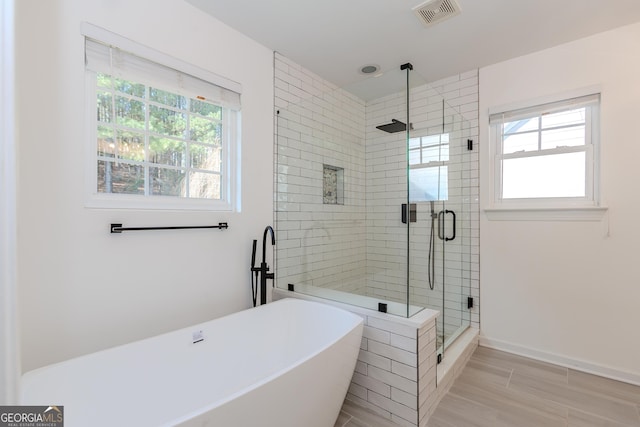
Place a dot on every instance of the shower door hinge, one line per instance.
(469, 303)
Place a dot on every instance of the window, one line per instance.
(428, 170)
(547, 155)
(162, 138)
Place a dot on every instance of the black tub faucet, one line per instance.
(264, 241)
(264, 267)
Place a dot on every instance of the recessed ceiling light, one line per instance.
(369, 69)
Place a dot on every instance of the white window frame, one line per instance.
(10, 369)
(230, 168)
(553, 208)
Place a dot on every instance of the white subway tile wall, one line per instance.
(389, 373)
(318, 124)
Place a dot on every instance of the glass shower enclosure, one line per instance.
(371, 203)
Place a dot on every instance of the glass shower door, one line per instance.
(438, 243)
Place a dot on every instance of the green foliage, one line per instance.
(206, 109)
(129, 87)
(204, 130)
(167, 122)
(167, 151)
(130, 145)
(130, 112)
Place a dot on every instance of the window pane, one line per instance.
(204, 130)
(103, 80)
(106, 144)
(167, 182)
(130, 112)
(565, 137)
(435, 153)
(430, 140)
(414, 143)
(167, 98)
(414, 157)
(166, 122)
(129, 87)
(520, 142)
(426, 184)
(120, 178)
(559, 175)
(105, 107)
(206, 109)
(167, 151)
(523, 125)
(204, 157)
(204, 185)
(563, 118)
(130, 145)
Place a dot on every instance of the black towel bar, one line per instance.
(118, 228)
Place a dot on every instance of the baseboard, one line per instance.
(567, 362)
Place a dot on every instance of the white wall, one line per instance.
(569, 291)
(82, 289)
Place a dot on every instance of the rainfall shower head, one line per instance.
(394, 126)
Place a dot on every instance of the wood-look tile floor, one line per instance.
(353, 415)
(498, 389)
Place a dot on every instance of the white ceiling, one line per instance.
(335, 38)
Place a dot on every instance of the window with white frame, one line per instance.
(547, 155)
(162, 138)
(428, 170)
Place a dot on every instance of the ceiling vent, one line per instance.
(435, 11)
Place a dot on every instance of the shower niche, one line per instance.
(332, 185)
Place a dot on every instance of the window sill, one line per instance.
(595, 213)
(160, 203)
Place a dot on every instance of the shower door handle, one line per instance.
(448, 239)
(441, 225)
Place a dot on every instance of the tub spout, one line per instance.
(263, 270)
(264, 240)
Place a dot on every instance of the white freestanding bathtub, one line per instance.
(287, 363)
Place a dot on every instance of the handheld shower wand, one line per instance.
(254, 274)
(431, 264)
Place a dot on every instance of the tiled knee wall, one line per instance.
(396, 372)
(395, 375)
